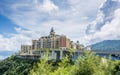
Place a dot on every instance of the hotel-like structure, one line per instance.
(56, 47)
(52, 42)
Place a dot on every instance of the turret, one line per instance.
(52, 32)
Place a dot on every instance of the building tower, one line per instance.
(77, 45)
(52, 32)
(63, 42)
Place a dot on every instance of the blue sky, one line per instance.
(6, 26)
(88, 21)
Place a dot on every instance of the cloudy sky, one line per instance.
(88, 21)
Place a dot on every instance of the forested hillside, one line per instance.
(89, 64)
(16, 66)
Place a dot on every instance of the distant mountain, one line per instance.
(107, 45)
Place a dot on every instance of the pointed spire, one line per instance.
(52, 30)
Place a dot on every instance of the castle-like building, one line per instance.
(52, 41)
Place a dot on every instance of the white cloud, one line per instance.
(92, 27)
(38, 17)
(108, 25)
(111, 29)
(49, 6)
(14, 42)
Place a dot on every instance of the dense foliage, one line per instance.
(107, 45)
(15, 66)
(89, 64)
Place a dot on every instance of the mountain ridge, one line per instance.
(107, 45)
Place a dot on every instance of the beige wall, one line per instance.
(26, 48)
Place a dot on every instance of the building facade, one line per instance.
(52, 41)
(26, 48)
